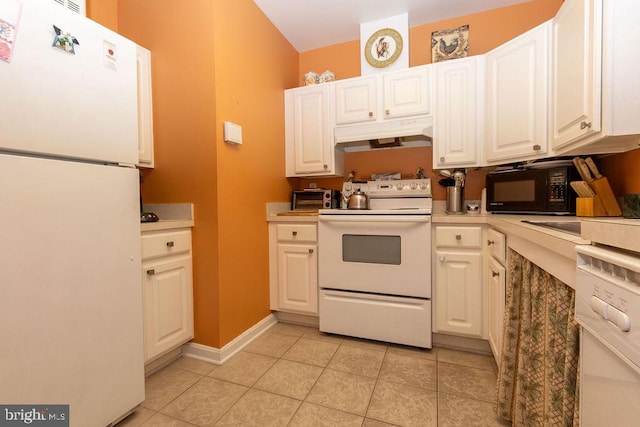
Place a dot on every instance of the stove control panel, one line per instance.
(400, 188)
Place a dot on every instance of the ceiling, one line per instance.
(311, 24)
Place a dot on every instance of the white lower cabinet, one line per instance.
(293, 267)
(496, 278)
(457, 281)
(167, 281)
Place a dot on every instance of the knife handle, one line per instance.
(583, 170)
(592, 166)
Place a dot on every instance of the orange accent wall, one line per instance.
(487, 30)
(622, 171)
(215, 62)
(104, 12)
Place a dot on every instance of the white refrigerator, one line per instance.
(70, 269)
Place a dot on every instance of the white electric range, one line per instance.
(374, 265)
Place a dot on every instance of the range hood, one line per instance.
(399, 133)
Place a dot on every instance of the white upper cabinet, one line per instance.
(309, 141)
(356, 100)
(458, 125)
(407, 92)
(145, 108)
(595, 87)
(517, 97)
(384, 96)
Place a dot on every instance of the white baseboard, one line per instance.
(219, 356)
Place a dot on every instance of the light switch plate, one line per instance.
(232, 133)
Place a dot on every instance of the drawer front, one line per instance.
(378, 317)
(165, 243)
(459, 237)
(497, 243)
(297, 232)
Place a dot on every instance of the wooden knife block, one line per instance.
(590, 206)
(603, 204)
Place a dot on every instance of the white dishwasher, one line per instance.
(608, 308)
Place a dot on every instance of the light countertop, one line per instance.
(171, 215)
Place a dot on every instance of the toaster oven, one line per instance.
(314, 199)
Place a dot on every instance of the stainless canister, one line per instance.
(455, 199)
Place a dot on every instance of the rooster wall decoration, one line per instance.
(450, 44)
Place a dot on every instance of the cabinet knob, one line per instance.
(494, 274)
(441, 258)
(295, 233)
(151, 272)
(387, 112)
(490, 242)
(370, 113)
(326, 166)
(536, 147)
(310, 251)
(170, 244)
(441, 159)
(585, 125)
(458, 236)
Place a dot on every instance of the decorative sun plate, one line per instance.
(383, 48)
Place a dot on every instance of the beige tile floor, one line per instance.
(297, 376)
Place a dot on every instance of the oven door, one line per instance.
(382, 254)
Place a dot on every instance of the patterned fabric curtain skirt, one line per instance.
(538, 375)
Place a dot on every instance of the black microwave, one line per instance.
(532, 191)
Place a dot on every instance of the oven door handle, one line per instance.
(375, 218)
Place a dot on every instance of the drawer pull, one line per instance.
(295, 233)
(585, 125)
(494, 274)
(310, 251)
(151, 272)
(458, 236)
(490, 242)
(170, 244)
(537, 147)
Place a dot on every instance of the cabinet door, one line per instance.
(458, 303)
(496, 287)
(457, 118)
(309, 131)
(298, 278)
(145, 108)
(517, 88)
(407, 92)
(168, 304)
(356, 100)
(576, 73)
